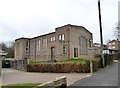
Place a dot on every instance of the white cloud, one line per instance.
(29, 18)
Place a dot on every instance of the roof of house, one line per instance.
(43, 35)
(54, 32)
(113, 41)
(21, 38)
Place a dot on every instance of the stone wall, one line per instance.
(57, 83)
(72, 34)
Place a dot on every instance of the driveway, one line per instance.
(11, 76)
(104, 77)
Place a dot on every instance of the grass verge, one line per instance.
(23, 85)
(79, 60)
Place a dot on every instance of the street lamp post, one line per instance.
(101, 38)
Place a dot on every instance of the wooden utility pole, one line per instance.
(101, 38)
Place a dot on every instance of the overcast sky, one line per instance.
(30, 18)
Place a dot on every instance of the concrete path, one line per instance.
(10, 76)
(104, 77)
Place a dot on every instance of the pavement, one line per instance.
(107, 76)
(11, 76)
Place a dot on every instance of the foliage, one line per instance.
(3, 46)
(9, 49)
(35, 62)
(81, 60)
(70, 66)
(58, 67)
(116, 56)
(97, 55)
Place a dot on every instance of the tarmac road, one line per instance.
(104, 77)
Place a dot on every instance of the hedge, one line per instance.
(59, 68)
(62, 67)
(69, 67)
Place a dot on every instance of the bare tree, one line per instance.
(9, 48)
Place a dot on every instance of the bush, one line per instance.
(108, 58)
(116, 56)
(59, 67)
(97, 55)
(70, 66)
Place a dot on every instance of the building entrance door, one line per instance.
(53, 53)
(75, 52)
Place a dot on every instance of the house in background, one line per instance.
(69, 41)
(97, 48)
(113, 46)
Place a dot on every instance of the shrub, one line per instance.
(116, 56)
(68, 67)
(59, 67)
(97, 55)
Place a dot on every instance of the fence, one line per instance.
(19, 64)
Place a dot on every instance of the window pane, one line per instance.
(39, 45)
(63, 37)
(53, 38)
(60, 37)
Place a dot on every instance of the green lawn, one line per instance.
(24, 85)
(80, 60)
(35, 62)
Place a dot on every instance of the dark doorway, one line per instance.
(52, 53)
(75, 52)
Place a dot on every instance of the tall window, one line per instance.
(32, 48)
(27, 47)
(54, 38)
(44, 42)
(90, 42)
(44, 46)
(63, 37)
(83, 45)
(38, 47)
(60, 37)
(51, 39)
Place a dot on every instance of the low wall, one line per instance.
(57, 83)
